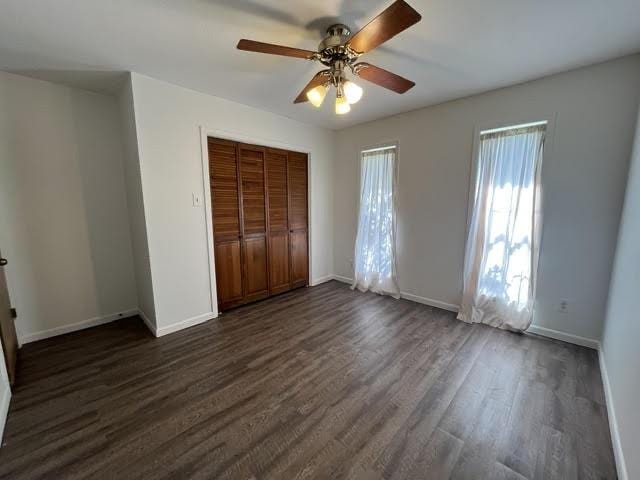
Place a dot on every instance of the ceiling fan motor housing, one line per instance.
(333, 48)
(336, 35)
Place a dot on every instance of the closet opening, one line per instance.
(259, 209)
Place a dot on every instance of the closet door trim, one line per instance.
(207, 132)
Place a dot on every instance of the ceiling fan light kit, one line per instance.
(345, 89)
(316, 95)
(342, 106)
(352, 91)
(340, 51)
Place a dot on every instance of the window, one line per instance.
(375, 249)
(504, 230)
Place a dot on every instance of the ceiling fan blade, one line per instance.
(382, 77)
(320, 78)
(398, 17)
(270, 48)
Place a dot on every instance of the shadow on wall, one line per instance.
(108, 82)
(65, 225)
(100, 164)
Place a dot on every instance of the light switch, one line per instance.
(197, 200)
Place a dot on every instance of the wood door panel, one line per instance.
(299, 259)
(278, 208)
(279, 263)
(298, 219)
(255, 260)
(228, 261)
(8, 334)
(253, 195)
(223, 174)
(297, 170)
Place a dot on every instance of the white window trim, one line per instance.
(514, 127)
(379, 149)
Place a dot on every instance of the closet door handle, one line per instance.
(3, 262)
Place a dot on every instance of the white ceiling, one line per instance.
(459, 48)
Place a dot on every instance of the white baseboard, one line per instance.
(621, 465)
(430, 302)
(189, 322)
(150, 325)
(342, 279)
(5, 399)
(410, 296)
(565, 337)
(321, 280)
(94, 322)
(73, 327)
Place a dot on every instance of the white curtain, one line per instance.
(501, 257)
(375, 250)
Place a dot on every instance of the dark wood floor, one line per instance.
(318, 383)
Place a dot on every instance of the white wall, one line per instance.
(168, 120)
(135, 202)
(63, 209)
(620, 351)
(584, 174)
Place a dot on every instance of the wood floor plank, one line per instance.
(557, 459)
(438, 458)
(316, 383)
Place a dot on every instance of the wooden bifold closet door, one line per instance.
(254, 222)
(298, 230)
(278, 210)
(260, 225)
(227, 227)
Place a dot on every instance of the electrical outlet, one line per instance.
(563, 306)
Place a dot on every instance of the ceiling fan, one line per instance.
(340, 50)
